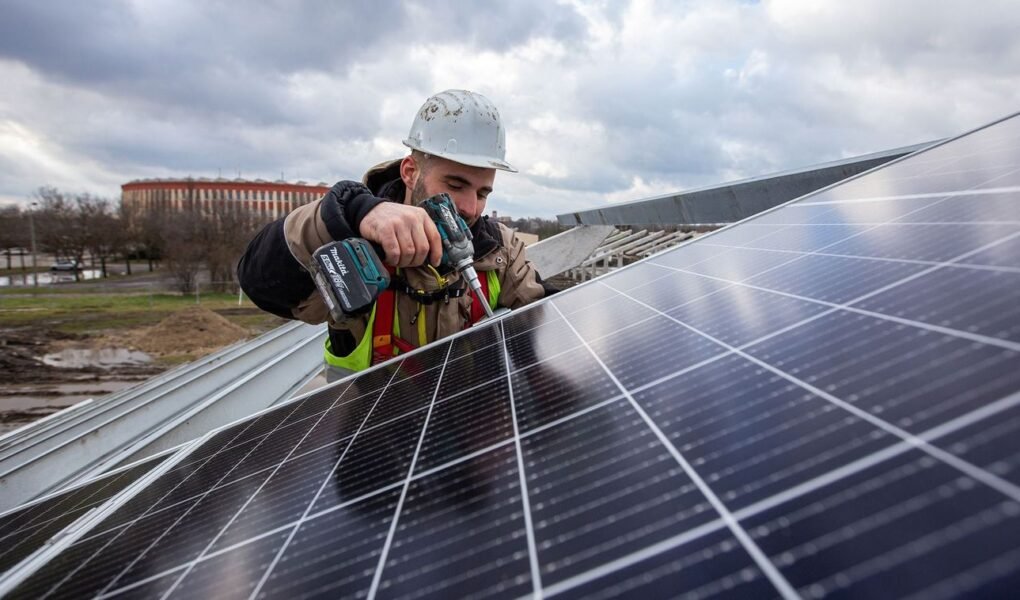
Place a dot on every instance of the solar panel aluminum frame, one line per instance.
(85, 481)
(72, 533)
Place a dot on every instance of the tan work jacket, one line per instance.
(305, 232)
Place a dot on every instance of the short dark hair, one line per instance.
(423, 160)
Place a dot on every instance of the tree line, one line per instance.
(95, 231)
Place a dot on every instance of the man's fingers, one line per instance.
(391, 246)
(407, 234)
(435, 242)
(421, 245)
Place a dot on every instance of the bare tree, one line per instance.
(152, 234)
(56, 223)
(13, 233)
(229, 232)
(101, 229)
(130, 238)
(185, 247)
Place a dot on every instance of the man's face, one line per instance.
(469, 187)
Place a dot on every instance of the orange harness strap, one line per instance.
(385, 345)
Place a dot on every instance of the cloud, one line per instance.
(603, 101)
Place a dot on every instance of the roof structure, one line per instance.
(730, 202)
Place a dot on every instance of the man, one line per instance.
(457, 143)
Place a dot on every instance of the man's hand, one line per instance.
(406, 233)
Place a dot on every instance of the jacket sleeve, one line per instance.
(272, 270)
(521, 283)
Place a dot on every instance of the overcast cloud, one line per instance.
(603, 101)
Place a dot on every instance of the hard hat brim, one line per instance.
(471, 160)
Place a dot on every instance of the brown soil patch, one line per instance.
(192, 331)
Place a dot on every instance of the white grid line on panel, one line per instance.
(195, 503)
(536, 574)
(377, 577)
(635, 557)
(35, 524)
(937, 169)
(952, 193)
(247, 541)
(865, 462)
(137, 584)
(126, 526)
(942, 198)
(995, 482)
(190, 565)
(912, 261)
(35, 521)
(279, 553)
(867, 223)
(763, 562)
(848, 305)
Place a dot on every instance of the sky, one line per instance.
(603, 101)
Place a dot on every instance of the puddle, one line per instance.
(104, 358)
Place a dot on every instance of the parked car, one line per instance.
(65, 264)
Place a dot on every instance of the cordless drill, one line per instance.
(350, 274)
(458, 251)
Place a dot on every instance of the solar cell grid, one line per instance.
(992, 443)
(1004, 254)
(936, 298)
(747, 415)
(890, 531)
(995, 207)
(23, 531)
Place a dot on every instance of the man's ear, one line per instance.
(409, 171)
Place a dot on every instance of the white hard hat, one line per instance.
(461, 126)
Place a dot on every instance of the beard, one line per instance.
(418, 193)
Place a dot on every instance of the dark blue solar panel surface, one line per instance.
(822, 401)
(24, 530)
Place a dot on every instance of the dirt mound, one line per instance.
(190, 331)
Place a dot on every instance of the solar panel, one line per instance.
(25, 529)
(821, 401)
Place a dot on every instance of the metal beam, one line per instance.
(733, 201)
(566, 250)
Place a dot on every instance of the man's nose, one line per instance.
(468, 208)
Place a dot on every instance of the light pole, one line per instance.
(31, 230)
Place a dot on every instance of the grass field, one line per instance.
(69, 310)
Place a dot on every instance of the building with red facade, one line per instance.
(268, 198)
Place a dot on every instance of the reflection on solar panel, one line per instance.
(25, 529)
(824, 400)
